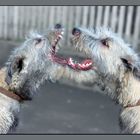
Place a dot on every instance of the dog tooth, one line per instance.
(83, 65)
(80, 65)
(60, 36)
(70, 60)
(55, 40)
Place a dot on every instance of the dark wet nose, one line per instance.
(58, 26)
(76, 31)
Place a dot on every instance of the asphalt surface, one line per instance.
(65, 109)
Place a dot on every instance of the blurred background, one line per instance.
(66, 107)
(16, 21)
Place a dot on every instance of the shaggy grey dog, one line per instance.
(28, 66)
(116, 71)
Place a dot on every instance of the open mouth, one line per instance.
(85, 65)
(58, 36)
(59, 31)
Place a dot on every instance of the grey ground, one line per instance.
(65, 108)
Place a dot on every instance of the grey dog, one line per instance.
(116, 71)
(28, 66)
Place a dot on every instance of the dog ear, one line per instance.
(15, 66)
(127, 63)
(132, 65)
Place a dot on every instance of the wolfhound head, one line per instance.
(27, 65)
(108, 51)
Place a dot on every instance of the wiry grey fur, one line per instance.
(27, 67)
(118, 71)
(23, 73)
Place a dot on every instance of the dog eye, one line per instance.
(38, 40)
(105, 42)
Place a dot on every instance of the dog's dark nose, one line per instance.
(76, 31)
(58, 26)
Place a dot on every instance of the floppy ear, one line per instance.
(132, 65)
(15, 66)
(127, 63)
